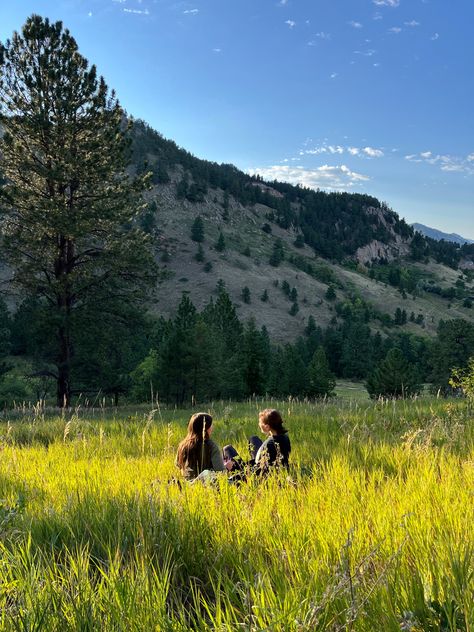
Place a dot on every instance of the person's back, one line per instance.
(204, 456)
(275, 451)
(197, 453)
(273, 454)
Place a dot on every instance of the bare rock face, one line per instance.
(377, 250)
(465, 264)
(264, 188)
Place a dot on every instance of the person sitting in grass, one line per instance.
(197, 455)
(265, 455)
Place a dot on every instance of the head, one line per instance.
(200, 426)
(270, 422)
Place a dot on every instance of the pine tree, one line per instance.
(394, 377)
(285, 288)
(310, 327)
(225, 206)
(5, 336)
(197, 230)
(220, 243)
(199, 256)
(254, 360)
(245, 294)
(452, 349)
(264, 297)
(182, 187)
(278, 254)
(222, 318)
(296, 372)
(68, 205)
(294, 309)
(356, 359)
(320, 378)
(330, 293)
(299, 241)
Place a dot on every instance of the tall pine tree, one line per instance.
(68, 205)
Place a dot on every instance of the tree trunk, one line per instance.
(64, 367)
(63, 268)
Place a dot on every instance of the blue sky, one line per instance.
(371, 96)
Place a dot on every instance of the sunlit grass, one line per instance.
(371, 531)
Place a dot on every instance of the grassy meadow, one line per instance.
(372, 530)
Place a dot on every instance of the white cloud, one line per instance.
(283, 2)
(395, 29)
(335, 178)
(217, 50)
(386, 3)
(191, 11)
(445, 162)
(372, 153)
(137, 11)
(365, 53)
(452, 167)
(434, 37)
(356, 25)
(314, 152)
(412, 23)
(362, 152)
(89, 14)
(291, 23)
(333, 75)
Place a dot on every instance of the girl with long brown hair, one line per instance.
(197, 452)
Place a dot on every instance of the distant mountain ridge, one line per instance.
(434, 233)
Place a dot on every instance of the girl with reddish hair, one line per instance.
(266, 455)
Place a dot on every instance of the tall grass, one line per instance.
(372, 530)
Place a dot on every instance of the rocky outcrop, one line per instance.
(377, 250)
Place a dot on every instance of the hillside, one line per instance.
(370, 246)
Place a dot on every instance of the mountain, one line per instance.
(276, 245)
(438, 234)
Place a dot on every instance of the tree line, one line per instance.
(199, 356)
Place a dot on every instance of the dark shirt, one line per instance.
(274, 451)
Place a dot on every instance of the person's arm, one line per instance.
(216, 458)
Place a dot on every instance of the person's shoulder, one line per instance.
(283, 440)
